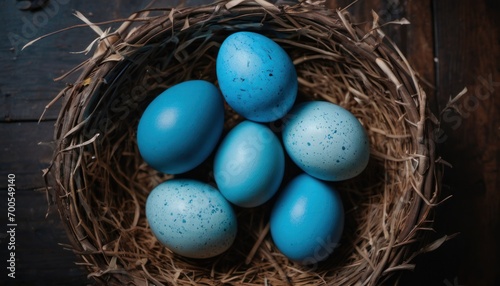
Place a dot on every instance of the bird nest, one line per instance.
(101, 182)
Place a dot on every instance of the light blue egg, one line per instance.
(307, 220)
(326, 141)
(256, 76)
(181, 127)
(191, 218)
(249, 164)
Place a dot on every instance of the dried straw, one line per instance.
(101, 182)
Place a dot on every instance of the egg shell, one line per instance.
(181, 127)
(249, 164)
(307, 220)
(191, 218)
(326, 141)
(256, 76)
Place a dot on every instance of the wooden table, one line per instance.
(452, 44)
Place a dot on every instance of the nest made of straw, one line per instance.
(101, 182)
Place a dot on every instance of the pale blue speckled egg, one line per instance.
(326, 141)
(256, 76)
(249, 164)
(307, 220)
(191, 218)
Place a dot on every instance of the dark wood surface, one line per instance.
(452, 44)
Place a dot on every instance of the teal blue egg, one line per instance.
(181, 127)
(256, 76)
(191, 218)
(326, 141)
(307, 220)
(249, 164)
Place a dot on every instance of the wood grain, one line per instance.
(31, 72)
(40, 256)
(26, 150)
(467, 36)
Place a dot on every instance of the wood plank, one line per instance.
(420, 46)
(27, 77)
(467, 36)
(21, 153)
(39, 257)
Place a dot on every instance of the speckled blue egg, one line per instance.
(181, 127)
(307, 220)
(191, 218)
(249, 164)
(256, 76)
(326, 141)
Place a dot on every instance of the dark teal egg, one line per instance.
(181, 127)
(307, 220)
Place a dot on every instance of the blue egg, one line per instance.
(181, 127)
(326, 141)
(256, 76)
(307, 220)
(249, 164)
(191, 218)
